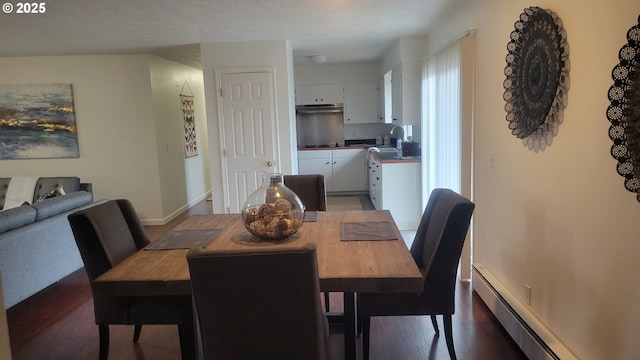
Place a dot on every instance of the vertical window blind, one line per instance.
(447, 92)
(441, 120)
(447, 123)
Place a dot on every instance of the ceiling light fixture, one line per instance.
(317, 59)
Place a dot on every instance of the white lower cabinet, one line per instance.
(349, 171)
(344, 170)
(396, 187)
(375, 187)
(315, 162)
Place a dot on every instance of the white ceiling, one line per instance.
(344, 30)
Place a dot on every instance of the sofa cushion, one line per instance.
(16, 217)
(60, 204)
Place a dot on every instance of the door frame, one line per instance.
(275, 134)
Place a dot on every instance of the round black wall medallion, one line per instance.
(624, 111)
(537, 77)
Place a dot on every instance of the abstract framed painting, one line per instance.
(37, 122)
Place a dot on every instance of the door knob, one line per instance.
(269, 163)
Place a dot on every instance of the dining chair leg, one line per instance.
(104, 341)
(350, 315)
(326, 301)
(448, 334)
(434, 321)
(187, 332)
(136, 333)
(366, 332)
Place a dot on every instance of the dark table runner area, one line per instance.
(185, 239)
(380, 230)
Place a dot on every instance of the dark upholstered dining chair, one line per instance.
(106, 234)
(436, 250)
(311, 190)
(259, 303)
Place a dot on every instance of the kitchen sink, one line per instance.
(387, 155)
(408, 157)
(393, 155)
(386, 148)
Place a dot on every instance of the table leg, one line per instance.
(349, 326)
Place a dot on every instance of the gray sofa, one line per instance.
(37, 247)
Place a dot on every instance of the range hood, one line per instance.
(320, 109)
(319, 124)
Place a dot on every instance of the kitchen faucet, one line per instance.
(399, 140)
(398, 127)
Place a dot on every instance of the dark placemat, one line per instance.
(246, 238)
(379, 230)
(185, 239)
(311, 216)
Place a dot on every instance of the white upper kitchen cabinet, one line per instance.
(381, 99)
(396, 94)
(319, 94)
(360, 103)
(406, 78)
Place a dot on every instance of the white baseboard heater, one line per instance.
(535, 340)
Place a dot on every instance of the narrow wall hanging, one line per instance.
(624, 111)
(188, 122)
(37, 122)
(537, 77)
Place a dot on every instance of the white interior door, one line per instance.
(249, 134)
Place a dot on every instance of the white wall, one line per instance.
(115, 114)
(184, 181)
(559, 220)
(404, 49)
(328, 74)
(241, 56)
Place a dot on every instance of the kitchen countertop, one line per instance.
(385, 157)
(334, 148)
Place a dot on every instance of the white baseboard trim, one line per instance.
(175, 214)
(535, 340)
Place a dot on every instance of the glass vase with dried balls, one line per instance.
(273, 211)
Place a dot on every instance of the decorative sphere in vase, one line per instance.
(274, 211)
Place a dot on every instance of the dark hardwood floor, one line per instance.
(57, 323)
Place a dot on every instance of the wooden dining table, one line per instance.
(347, 263)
